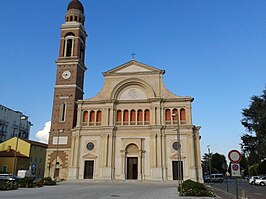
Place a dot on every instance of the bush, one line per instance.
(49, 181)
(191, 188)
(26, 182)
(8, 185)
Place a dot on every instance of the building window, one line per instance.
(90, 146)
(167, 116)
(85, 118)
(132, 117)
(182, 116)
(140, 117)
(81, 50)
(147, 117)
(99, 118)
(175, 116)
(69, 44)
(118, 117)
(4, 169)
(125, 117)
(63, 108)
(92, 118)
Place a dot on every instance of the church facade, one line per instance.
(134, 128)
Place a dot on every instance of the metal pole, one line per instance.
(179, 154)
(237, 189)
(56, 153)
(209, 151)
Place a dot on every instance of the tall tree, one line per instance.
(254, 120)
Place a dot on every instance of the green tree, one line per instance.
(216, 161)
(254, 120)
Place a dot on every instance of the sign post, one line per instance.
(235, 157)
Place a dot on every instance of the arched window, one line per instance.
(69, 44)
(132, 117)
(99, 118)
(140, 117)
(63, 109)
(175, 116)
(118, 117)
(182, 116)
(85, 118)
(125, 117)
(167, 116)
(92, 118)
(147, 117)
(81, 51)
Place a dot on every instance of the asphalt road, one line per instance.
(244, 189)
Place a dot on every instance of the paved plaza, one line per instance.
(84, 189)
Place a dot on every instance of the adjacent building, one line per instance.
(134, 128)
(29, 154)
(13, 124)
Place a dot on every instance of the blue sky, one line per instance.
(212, 50)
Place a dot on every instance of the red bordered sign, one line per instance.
(234, 156)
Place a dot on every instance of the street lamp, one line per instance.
(178, 148)
(22, 117)
(209, 152)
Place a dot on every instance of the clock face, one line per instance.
(66, 74)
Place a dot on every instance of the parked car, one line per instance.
(8, 181)
(216, 177)
(8, 177)
(261, 181)
(252, 179)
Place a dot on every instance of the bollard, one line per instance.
(243, 194)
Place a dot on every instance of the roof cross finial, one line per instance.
(133, 56)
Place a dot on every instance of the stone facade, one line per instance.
(134, 128)
(133, 123)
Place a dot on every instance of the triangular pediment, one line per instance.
(133, 66)
(89, 156)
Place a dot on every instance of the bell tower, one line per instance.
(68, 89)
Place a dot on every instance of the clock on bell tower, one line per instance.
(68, 89)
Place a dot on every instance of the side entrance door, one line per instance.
(88, 169)
(132, 168)
(177, 167)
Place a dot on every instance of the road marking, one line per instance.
(259, 194)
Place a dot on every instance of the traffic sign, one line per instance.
(234, 156)
(235, 169)
(33, 165)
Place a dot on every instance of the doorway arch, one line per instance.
(132, 162)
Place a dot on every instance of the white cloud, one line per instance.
(43, 135)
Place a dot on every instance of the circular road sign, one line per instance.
(235, 167)
(234, 156)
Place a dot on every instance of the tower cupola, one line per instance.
(75, 12)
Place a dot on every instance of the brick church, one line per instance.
(134, 128)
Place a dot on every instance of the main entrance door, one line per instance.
(177, 167)
(132, 168)
(88, 169)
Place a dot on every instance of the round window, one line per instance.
(90, 146)
(176, 146)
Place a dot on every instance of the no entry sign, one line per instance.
(234, 156)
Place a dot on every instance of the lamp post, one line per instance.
(57, 144)
(209, 152)
(21, 117)
(178, 148)
(16, 148)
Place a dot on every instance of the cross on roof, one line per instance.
(133, 56)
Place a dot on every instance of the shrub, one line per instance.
(26, 182)
(7, 185)
(49, 181)
(191, 188)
